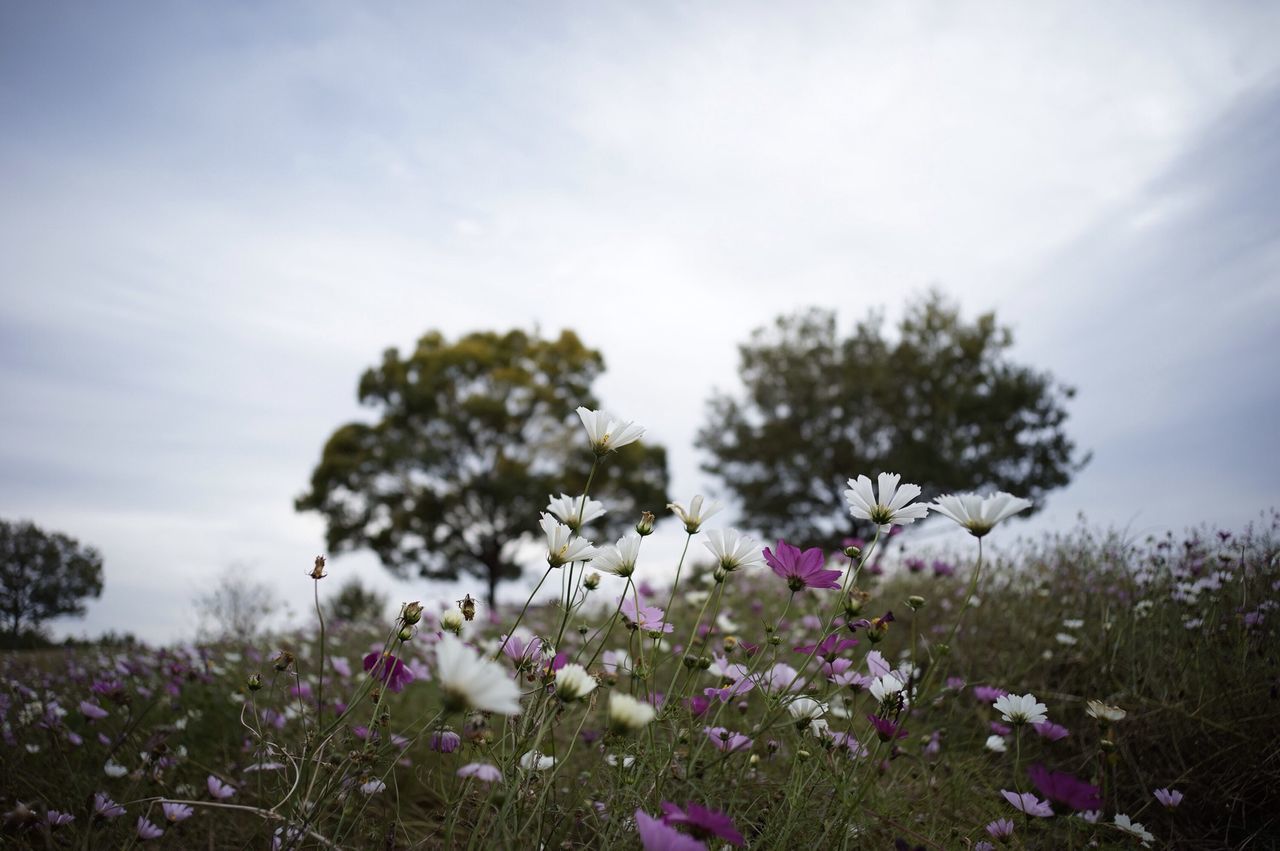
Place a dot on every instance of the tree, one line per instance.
(941, 403)
(235, 608)
(355, 603)
(43, 575)
(471, 438)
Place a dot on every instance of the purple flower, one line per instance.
(727, 740)
(521, 652)
(92, 711)
(657, 836)
(988, 694)
(701, 822)
(698, 705)
(829, 648)
(175, 813)
(147, 830)
(1065, 789)
(801, 569)
(941, 568)
(647, 618)
(444, 741)
(389, 669)
(1000, 828)
(218, 789)
(1000, 729)
(1027, 803)
(105, 807)
(482, 771)
(723, 694)
(55, 818)
(1051, 731)
(876, 627)
(1169, 797)
(955, 683)
(886, 729)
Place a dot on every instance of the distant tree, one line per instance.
(940, 402)
(235, 608)
(43, 575)
(471, 438)
(354, 603)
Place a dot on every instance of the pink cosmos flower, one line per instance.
(105, 807)
(887, 730)
(988, 694)
(701, 822)
(1051, 731)
(727, 740)
(218, 789)
(646, 618)
(801, 569)
(1169, 797)
(57, 818)
(830, 647)
(1066, 789)
(657, 836)
(482, 771)
(444, 741)
(175, 813)
(389, 669)
(92, 711)
(1027, 803)
(1000, 828)
(147, 830)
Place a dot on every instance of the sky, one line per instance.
(216, 216)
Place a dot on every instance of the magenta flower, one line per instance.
(175, 813)
(830, 647)
(801, 569)
(698, 705)
(701, 822)
(1027, 803)
(92, 711)
(988, 694)
(886, 729)
(727, 740)
(1066, 789)
(482, 771)
(389, 669)
(444, 741)
(1051, 731)
(646, 618)
(218, 789)
(657, 836)
(941, 568)
(148, 830)
(1169, 797)
(521, 652)
(1000, 729)
(733, 690)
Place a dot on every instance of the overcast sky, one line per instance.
(215, 216)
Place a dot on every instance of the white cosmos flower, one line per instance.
(892, 506)
(114, 769)
(1021, 709)
(534, 761)
(1104, 712)
(562, 546)
(620, 558)
(805, 708)
(997, 744)
(1134, 828)
(628, 715)
(733, 550)
(471, 681)
(977, 513)
(696, 514)
(574, 683)
(568, 509)
(885, 686)
(605, 433)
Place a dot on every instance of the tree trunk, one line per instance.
(491, 595)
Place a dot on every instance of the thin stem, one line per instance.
(536, 589)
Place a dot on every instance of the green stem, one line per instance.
(536, 589)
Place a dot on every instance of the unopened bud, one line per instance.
(583, 629)
(412, 612)
(852, 552)
(719, 575)
(755, 759)
(645, 526)
(592, 582)
(405, 633)
(704, 662)
(1107, 745)
(730, 643)
(691, 661)
(802, 755)
(915, 602)
(317, 572)
(775, 640)
(254, 682)
(451, 621)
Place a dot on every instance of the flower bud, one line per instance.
(583, 629)
(405, 633)
(452, 621)
(592, 582)
(915, 602)
(645, 526)
(317, 572)
(730, 643)
(412, 612)
(852, 552)
(254, 682)
(719, 575)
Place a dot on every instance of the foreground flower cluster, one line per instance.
(778, 694)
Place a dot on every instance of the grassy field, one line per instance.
(781, 718)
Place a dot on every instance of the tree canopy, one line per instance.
(43, 575)
(471, 438)
(939, 402)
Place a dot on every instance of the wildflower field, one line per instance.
(1085, 690)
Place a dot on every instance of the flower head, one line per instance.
(571, 511)
(628, 715)
(218, 789)
(147, 830)
(997, 744)
(535, 761)
(482, 771)
(620, 558)
(979, 514)
(1020, 709)
(1000, 828)
(605, 433)
(887, 730)
(892, 506)
(472, 682)
(801, 569)
(1104, 712)
(574, 683)
(1169, 797)
(444, 741)
(696, 514)
(733, 550)
(92, 711)
(390, 670)
(104, 807)
(1027, 803)
(645, 618)
(701, 822)
(1066, 789)
(1051, 731)
(656, 835)
(727, 740)
(562, 545)
(174, 813)
(1134, 829)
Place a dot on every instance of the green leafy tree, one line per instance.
(940, 402)
(43, 575)
(354, 603)
(471, 438)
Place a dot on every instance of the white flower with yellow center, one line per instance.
(893, 505)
